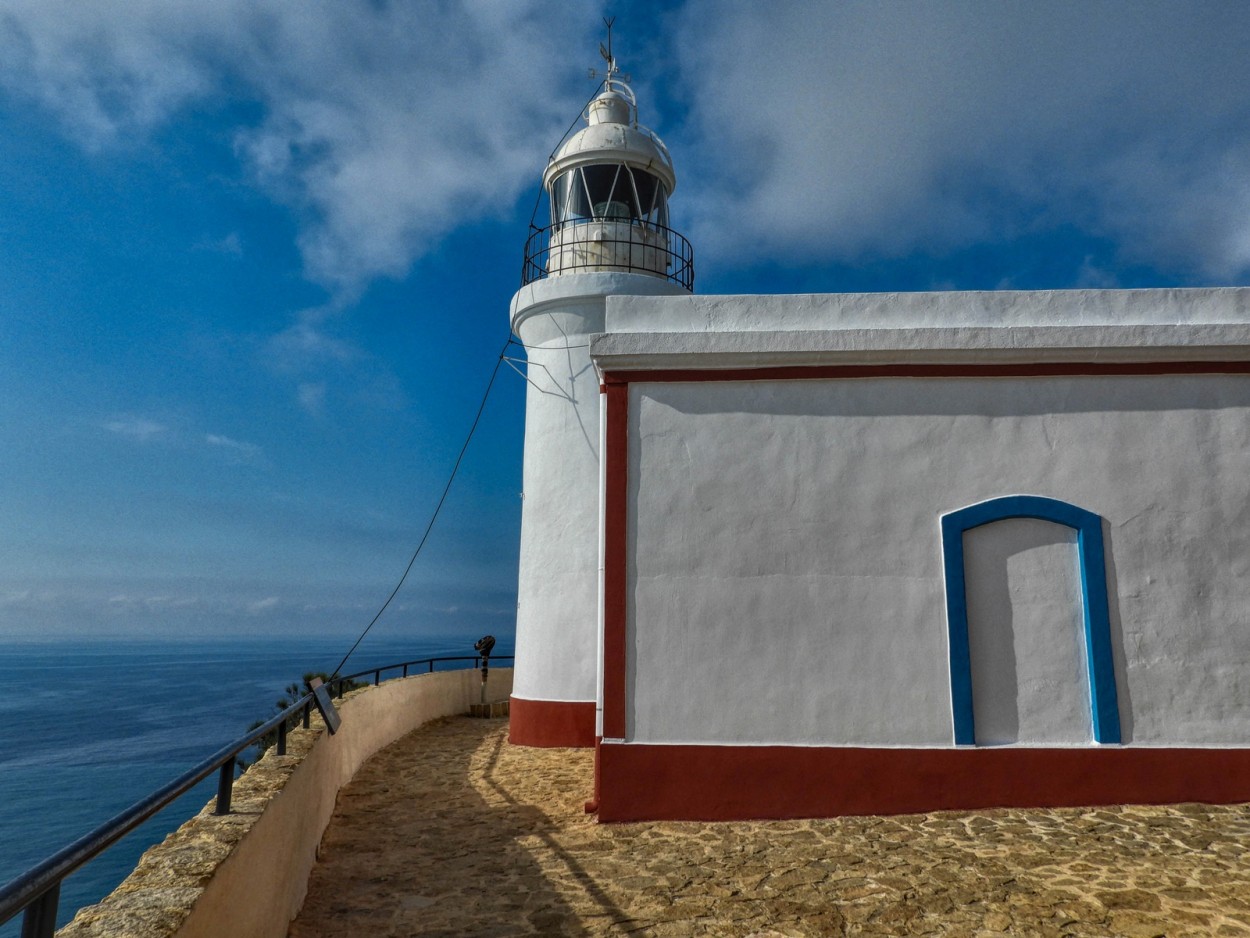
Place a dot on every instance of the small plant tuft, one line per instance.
(293, 692)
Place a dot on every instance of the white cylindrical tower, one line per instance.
(609, 186)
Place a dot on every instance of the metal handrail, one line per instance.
(37, 891)
(608, 244)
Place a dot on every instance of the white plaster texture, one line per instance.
(1030, 679)
(962, 344)
(557, 633)
(999, 309)
(785, 569)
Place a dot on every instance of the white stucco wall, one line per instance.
(785, 573)
(557, 596)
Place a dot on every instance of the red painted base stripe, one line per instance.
(639, 782)
(552, 723)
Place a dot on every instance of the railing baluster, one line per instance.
(39, 921)
(225, 784)
(282, 738)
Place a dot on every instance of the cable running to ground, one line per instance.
(539, 198)
(437, 508)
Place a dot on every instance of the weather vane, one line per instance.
(606, 51)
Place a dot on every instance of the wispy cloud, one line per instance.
(319, 359)
(153, 603)
(237, 452)
(307, 343)
(815, 131)
(145, 430)
(383, 125)
(263, 605)
(862, 129)
(141, 429)
(312, 397)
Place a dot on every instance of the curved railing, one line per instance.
(38, 890)
(606, 244)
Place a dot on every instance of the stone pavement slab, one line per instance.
(452, 831)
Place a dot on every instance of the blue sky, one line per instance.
(256, 256)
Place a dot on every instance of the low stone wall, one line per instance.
(246, 873)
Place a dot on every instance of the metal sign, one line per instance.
(325, 706)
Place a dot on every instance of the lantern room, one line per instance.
(609, 186)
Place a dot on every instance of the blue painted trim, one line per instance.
(1104, 706)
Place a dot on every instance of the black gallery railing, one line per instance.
(38, 890)
(608, 244)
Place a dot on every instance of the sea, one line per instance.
(88, 727)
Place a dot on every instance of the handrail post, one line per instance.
(405, 669)
(307, 715)
(431, 665)
(377, 677)
(39, 920)
(225, 782)
(282, 738)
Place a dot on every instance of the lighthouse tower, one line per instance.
(609, 187)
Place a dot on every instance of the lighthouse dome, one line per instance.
(613, 136)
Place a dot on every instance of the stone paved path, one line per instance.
(451, 831)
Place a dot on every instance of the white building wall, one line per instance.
(785, 573)
(557, 596)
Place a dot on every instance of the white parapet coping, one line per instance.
(717, 332)
(246, 873)
(631, 351)
(943, 310)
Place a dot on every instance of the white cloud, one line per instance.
(136, 428)
(308, 350)
(383, 125)
(839, 131)
(815, 131)
(312, 397)
(237, 451)
(263, 605)
(307, 343)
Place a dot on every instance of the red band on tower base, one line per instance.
(552, 723)
(639, 782)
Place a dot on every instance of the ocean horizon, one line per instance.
(92, 725)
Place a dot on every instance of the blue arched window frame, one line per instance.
(1105, 711)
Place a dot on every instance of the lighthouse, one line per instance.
(608, 190)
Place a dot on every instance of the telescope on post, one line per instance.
(483, 647)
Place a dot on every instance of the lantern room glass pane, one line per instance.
(652, 199)
(608, 192)
(568, 198)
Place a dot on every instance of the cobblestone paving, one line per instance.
(451, 831)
